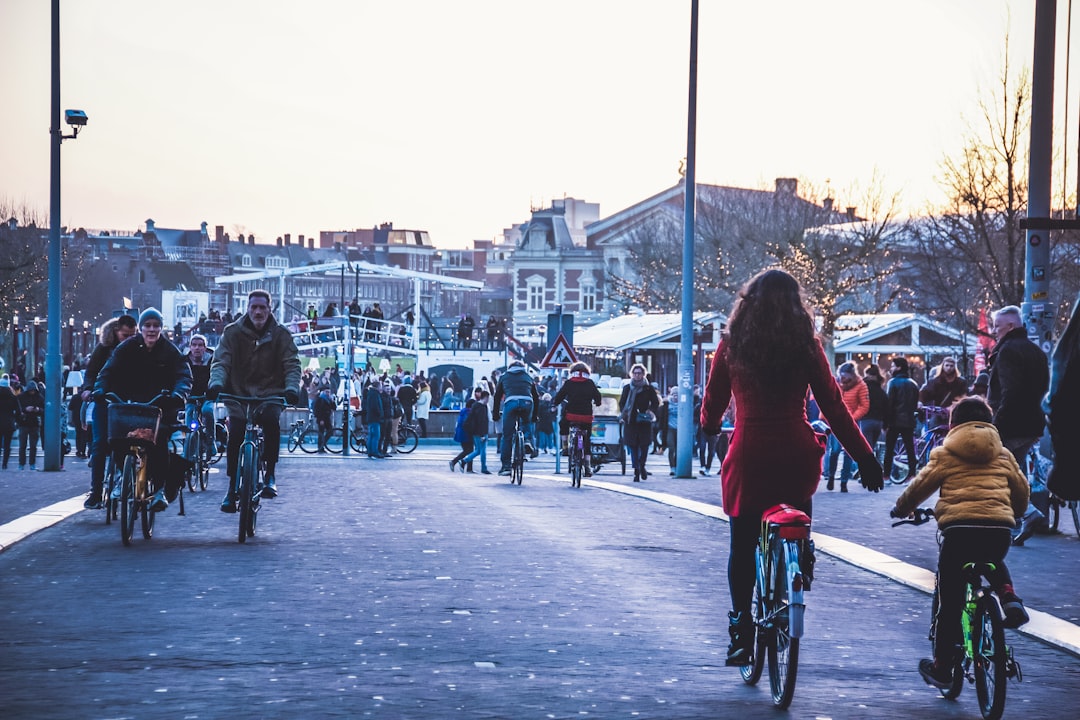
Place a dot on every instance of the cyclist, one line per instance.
(766, 359)
(255, 358)
(579, 393)
(142, 367)
(981, 492)
(199, 357)
(516, 397)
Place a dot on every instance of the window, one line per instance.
(245, 260)
(536, 297)
(588, 298)
(275, 262)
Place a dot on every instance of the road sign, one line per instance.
(561, 355)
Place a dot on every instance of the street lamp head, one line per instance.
(75, 118)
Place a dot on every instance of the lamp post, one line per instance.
(77, 120)
(14, 340)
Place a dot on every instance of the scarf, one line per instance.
(631, 398)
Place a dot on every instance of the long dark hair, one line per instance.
(770, 334)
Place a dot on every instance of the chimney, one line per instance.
(311, 244)
(337, 247)
(850, 211)
(279, 241)
(288, 238)
(300, 242)
(827, 204)
(251, 239)
(219, 233)
(787, 186)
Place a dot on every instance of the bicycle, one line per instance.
(924, 444)
(200, 448)
(304, 436)
(517, 452)
(132, 432)
(576, 445)
(247, 484)
(1036, 475)
(984, 658)
(784, 559)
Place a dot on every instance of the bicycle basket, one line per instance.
(133, 421)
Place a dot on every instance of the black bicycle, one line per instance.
(576, 454)
(132, 433)
(247, 484)
(984, 658)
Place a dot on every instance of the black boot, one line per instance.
(741, 649)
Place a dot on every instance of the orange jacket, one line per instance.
(857, 400)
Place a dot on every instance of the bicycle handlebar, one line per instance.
(248, 402)
(920, 516)
(114, 398)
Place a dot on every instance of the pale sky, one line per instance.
(275, 116)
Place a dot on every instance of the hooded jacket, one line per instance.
(977, 479)
(137, 373)
(515, 384)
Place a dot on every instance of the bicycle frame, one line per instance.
(247, 484)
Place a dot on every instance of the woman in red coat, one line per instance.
(767, 359)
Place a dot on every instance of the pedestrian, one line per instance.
(407, 396)
(857, 399)
(1019, 379)
(1063, 411)
(638, 404)
(768, 356)
(374, 414)
(873, 421)
(322, 408)
(463, 438)
(545, 425)
(476, 425)
(423, 407)
(672, 428)
(31, 415)
(980, 491)
(903, 397)
(9, 418)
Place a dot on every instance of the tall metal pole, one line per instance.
(53, 379)
(685, 449)
(1038, 310)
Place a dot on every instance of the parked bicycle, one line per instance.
(247, 484)
(407, 440)
(924, 444)
(983, 658)
(785, 563)
(304, 436)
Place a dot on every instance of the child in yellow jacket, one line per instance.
(981, 491)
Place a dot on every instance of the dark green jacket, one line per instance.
(255, 364)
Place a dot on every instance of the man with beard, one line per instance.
(944, 388)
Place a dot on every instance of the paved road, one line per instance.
(396, 589)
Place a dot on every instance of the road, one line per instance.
(396, 589)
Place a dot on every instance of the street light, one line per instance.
(76, 119)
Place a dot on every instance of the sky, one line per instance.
(278, 116)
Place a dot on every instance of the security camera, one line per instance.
(75, 118)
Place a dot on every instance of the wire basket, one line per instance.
(133, 421)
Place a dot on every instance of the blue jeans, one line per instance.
(479, 450)
(374, 435)
(515, 412)
(835, 450)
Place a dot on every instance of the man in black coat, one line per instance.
(1019, 378)
(903, 396)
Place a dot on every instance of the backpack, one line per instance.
(396, 410)
(459, 428)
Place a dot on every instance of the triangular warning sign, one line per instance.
(561, 355)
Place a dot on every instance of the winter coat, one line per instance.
(375, 409)
(857, 400)
(516, 384)
(977, 479)
(1064, 411)
(1019, 377)
(254, 364)
(645, 400)
(31, 409)
(200, 372)
(476, 423)
(774, 455)
(879, 401)
(138, 373)
(580, 394)
(903, 396)
(423, 405)
(942, 392)
(9, 410)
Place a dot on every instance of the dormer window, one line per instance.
(276, 262)
(245, 260)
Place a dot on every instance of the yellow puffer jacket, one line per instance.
(977, 479)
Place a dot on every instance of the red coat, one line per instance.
(775, 456)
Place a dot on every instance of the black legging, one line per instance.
(742, 562)
(908, 434)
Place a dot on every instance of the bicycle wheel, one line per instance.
(991, 658)
(899, 473)
(245, 492)
(407, 440)
(193, 454)
(335, 443)
(518, 466)
(109, 484)
(358, 441)
(309, 440)
(1053, 513)
(220, 443)
(127, 500)
(752, 673)
(148, 517)
(783, 647)
(294, 439)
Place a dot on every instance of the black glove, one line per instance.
(870, 475)
(213, 391)
(292, 397)
(894, 513)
